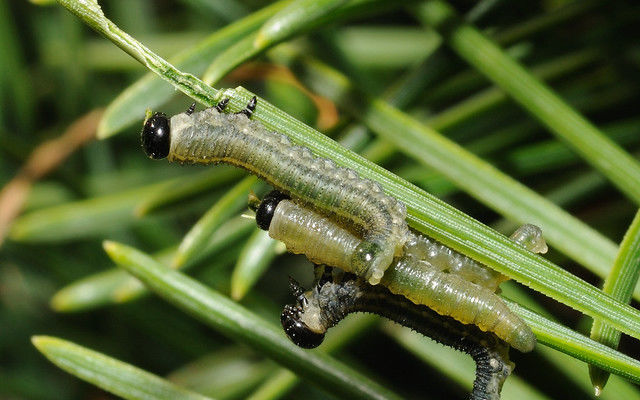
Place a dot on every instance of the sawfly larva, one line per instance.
(211, 136)
(335, 295)
(427, 273)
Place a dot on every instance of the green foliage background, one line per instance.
(364, 57)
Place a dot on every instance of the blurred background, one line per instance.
(64, 191)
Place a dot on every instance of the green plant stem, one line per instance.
(620, 284)
(90, 12)
(228, 373)
(477, 104)
(255, 43)
(275, 386)
(535, 96)
(344, 333)
(117, 377)
(579, 346)
(572, 367)
(115, 286)
(83, 218)
(150, 91)
(550, 155)
(294, 18)
(198, 236)
(242, 325)
(254, 259)
(187, 188)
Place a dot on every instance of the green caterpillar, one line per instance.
(211, 136)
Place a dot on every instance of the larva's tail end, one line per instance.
(530, 237)
(376, 276)
(370, 260)
(524, 341)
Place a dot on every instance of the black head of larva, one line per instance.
(267, 207)
(298, 331)
(156, 136)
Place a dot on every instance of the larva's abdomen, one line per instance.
(450, 294)
(303, 231)
(212, 137)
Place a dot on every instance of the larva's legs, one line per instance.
(222, 104)
(191, 109)
(332, 299)
(250, 108)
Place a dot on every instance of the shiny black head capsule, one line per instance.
(156, 136)
(267, 207)
(298, 331)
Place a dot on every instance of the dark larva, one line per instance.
(337, 294)
(210, 136)
(412, 275)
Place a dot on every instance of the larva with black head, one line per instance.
(412, 275)
(211, 136)
(335, 295)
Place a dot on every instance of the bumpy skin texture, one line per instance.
(446, 260)
(336, 295)
(423, 274)
(322, 240)
(450, 294)
(212, 137)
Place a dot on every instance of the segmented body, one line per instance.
(427, 273)
(336, 295)
(212, 137)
